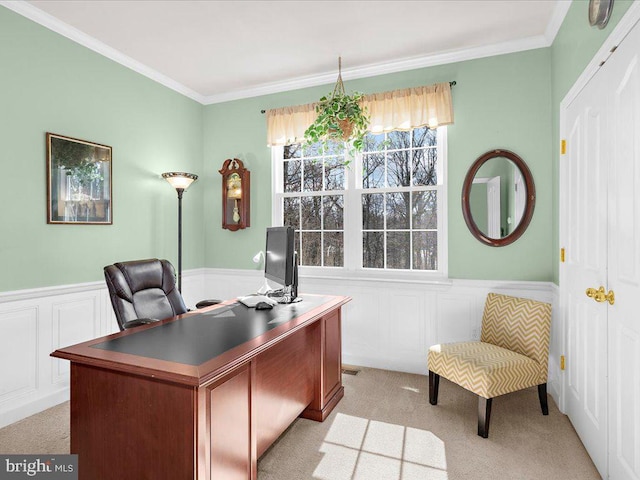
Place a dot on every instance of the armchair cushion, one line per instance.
(484, 369)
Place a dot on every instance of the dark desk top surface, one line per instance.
(198, 338)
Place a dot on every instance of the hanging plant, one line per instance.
(341, 118)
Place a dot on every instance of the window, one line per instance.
(400, 200)
(313, 187)
(385, 211)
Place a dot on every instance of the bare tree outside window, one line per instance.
(396, 186)
(400, 223)
(313, 202)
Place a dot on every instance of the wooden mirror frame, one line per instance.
(528, 210)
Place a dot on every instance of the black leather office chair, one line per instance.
(144, 291)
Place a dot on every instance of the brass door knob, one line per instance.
(600, 296)
(610, 297)
(591, 292)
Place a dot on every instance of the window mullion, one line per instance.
(277, 181)
(353, 217)
(410, 206)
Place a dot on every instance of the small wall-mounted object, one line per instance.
(600, 12)
(235, 195)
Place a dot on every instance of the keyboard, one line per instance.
(252, 300)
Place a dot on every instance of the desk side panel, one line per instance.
(129, 427)
(332, 356)
(230, 426)
(284, 384)
(327, 353)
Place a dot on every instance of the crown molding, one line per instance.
(48, 21)
(553, 27)
(401, 65)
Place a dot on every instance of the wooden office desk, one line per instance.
(203, 395)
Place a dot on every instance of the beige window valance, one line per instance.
(393, 110)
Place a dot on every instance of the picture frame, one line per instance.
(79, 187)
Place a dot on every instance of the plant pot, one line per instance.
(346, 127)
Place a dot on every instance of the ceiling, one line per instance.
(214, 51)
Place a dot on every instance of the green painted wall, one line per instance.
(49, 83)
(574, 47)
(499, 102)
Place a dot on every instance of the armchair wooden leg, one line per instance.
(542, 395)
(484, 415)
(434, 382)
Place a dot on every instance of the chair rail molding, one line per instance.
(388, 325)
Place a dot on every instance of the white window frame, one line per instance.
(352, 217)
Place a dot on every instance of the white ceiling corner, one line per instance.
(553, 27)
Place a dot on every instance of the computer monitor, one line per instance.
(280, 263)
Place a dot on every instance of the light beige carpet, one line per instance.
(385, 428)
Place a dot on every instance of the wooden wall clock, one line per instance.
(235, 195)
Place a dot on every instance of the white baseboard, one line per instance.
(32, 406)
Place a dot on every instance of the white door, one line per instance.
(623, 74)
(601, 172)
(585, 178)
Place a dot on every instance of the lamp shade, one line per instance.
(179, 180)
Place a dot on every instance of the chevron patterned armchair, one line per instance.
(512, 354)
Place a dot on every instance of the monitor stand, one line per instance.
(289, 294)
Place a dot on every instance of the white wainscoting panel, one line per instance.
(73, 320)
(33, 323)
(388, 324)
(364, 331)
(391, 324)
(457, 318)
(18, 352)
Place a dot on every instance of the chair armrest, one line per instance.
(139, 321)
(207, 303)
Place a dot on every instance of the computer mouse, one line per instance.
(263, 306)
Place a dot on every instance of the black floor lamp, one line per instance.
(180, 181)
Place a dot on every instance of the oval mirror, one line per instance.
(498, 197)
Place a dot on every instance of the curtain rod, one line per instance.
(451, 84)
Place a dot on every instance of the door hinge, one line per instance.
(562, 255)
(563, 147)
(561, 362)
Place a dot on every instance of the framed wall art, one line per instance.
(78, 181)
